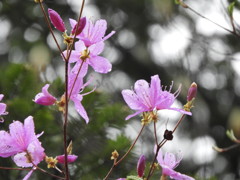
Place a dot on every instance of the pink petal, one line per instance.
(45, 98)
(70, 158)
(29, 130)
(99, 30)
(79, 107)
(1, 96)
(7, 146)
(78, 83)
(80, 46)
(29, 174)
(97, 48)
(141, 88)
(17, 133)
(37, 151)
(132, 100)
(83, 70)
(75, 56)
(132, 115)
(100, 64)
(3, 109)
(21, 160)
(56, 20)
(155, 89)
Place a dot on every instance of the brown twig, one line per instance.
(123, 157)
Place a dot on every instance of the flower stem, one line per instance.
(75, 80)
(78, 23)
(155, 133)
(66, 121)
(129, 150)
(44, 171)
(178, 123)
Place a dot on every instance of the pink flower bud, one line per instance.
(56, 20)
(70, 158)
(81, 25)
(45, 98)
(192, 91)
(141, 166)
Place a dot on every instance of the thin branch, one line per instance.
(204, 17)
(50, 28)
(155, 133)
(129, 150)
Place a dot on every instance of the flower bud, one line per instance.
(81, 26)
(141, 166)
(56, 20)
(70, 158)
(192, 91)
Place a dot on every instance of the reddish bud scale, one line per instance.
(192, 91)
(141, 166)
(56, 20)
(81, 26)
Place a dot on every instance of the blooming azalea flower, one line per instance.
(75, 96)
(168, 163)
(2, 108)
(93, 33)
(22, 143)
(84, 56)
(70, 158)
(45, 98)
(146, 98)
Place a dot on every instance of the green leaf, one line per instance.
(231, 136)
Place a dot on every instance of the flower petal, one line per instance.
(79, 107)
(21, 160)
(132, 115)
(100, 64)
(96, 49)
(132, 100)
(17, 132)
(155, 89)
(45, 98)
(7, 146)
(29, 174)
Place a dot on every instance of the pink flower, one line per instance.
(76, 97)
(45, 98)
(70, 158)
(2, 108)
(89, 56)
(93, 33)
(22, 143)
(146, 98)
(56, 20)
(170, 162)
(141, 166)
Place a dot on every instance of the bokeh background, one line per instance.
(152, 37)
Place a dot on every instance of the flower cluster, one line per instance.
(22, 144)
(89, 46)
(147, 98)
